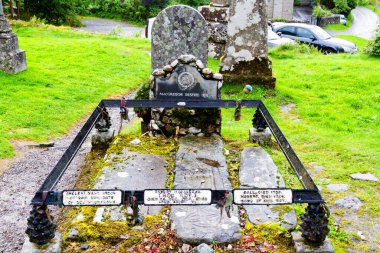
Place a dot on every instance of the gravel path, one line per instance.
(19, 183)
(105, 26)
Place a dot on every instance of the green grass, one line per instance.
(81, 70)
(360, 42)
(338, 27)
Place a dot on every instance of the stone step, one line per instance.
(201, 164)
(257, 170)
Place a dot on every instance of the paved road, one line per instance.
(106, 26)
(364, 24)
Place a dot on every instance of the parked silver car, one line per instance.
(274, 40)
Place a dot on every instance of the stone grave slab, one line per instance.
(178, 30)
(257, 170)
(200, 163)
(134, 171)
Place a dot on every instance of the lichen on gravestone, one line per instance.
(178, 30)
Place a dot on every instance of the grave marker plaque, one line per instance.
(186, 83)
(92, 198)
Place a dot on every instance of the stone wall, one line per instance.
(323, 21)
(217, 20)
(204, 83)
(280, 9)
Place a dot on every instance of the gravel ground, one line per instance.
(19, 183)
(106, 26)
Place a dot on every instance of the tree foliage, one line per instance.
(57, 12)
(373, 46)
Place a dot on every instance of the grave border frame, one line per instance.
(310, 194)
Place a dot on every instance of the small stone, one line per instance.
(319, 168)
(206, 71)
(169, 112)
(168, 68)
(138, 227)
(260, 137)
(367, 176)
(73, 234)
(337, 187)
(187, 58)
(194, 130)
(158, 72)
(124, 237)
(217, 76)
(204, 248)
(360, 234)
(377, 227)
(201, 135)
(98, 217)
(348, 202)
(229, 247)
(302, 247)
(199, 64)
(182, 131)
(174, 63)
(135, 141)
(192, 112)
(287, 108)
(84, 247)
(185, 248)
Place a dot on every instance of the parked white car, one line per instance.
(275, 40)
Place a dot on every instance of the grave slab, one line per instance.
(257, 170)
(134, 171)
(200, 164)
(302, 247)
(178, 30)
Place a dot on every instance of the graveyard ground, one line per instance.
(326, 105)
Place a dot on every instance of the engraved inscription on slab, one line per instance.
(177, 197)
(262, 196)
(92, 198)
(186, 83)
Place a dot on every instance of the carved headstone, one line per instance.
(178, 30)
(217, 18)
(186, 79)
(246, 58)
(12, 59)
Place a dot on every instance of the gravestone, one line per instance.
(186, 79)
(246, 58)
(178, 30)
(12, 59)
(216, 15)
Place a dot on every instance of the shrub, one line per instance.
(373, 46)
(352, 4)
(341, 6)
(56, 12)
(318, 12)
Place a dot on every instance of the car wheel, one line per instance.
(328, 51)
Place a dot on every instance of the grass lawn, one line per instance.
(68, 74)
(374, 7)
